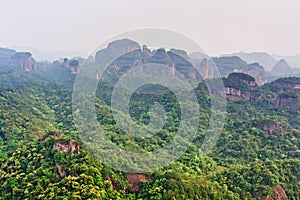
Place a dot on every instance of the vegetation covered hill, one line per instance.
(42, 156)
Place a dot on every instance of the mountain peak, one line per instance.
(281, 68)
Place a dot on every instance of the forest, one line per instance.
(43, 157)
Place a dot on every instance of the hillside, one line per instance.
(43, 157)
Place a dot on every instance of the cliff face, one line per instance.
(228, 65)
(116, 50)
(134, 180)
(17, 60)
(290, 103)
(240, 86)
(288, 93)
(270, 127)
(74, 66)
(258, 72)
(24, 60)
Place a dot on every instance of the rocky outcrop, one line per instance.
(71, 146)
(257, 71)
(63, 146)
(146, 52)
(115, 50)
(289, 101)
(278, 194)
(240, 86)
(74, 66)
(234, 64)
(287, 92)
(60, 171)
(24, 60)
(290, 84)
(271, 127)
(134, 180)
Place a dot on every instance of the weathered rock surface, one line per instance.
(24, 60)
(278, 194)
(134, 180)
(270, 127)
(240, 86)
(288, 101)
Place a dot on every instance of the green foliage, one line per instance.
(245, 164)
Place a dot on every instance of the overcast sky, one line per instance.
(219, 26)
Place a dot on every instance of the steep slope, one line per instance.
(264, 59)
(282, 68)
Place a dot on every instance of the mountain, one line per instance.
(44, 156)
(229, 64)
(198, 56)
(16, 60)
(282, 68)
(264, 59)
(5, 56)
(294, 60)
(50, 56)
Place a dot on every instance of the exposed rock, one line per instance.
(61, 173)
(278, 194)
(146, 52)
(289, 101)
(240, 86)
(71, 146)
(228, 65)
(115, 50)
(270, 127)
(24, 60)
(290, 84)
(134, 180)
(257, 71)
(74, 66)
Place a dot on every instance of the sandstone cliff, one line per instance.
(240, 86)
(24, 60)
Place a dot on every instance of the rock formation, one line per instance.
(24, 60)
(262, 58)
(60, 171)
(71, 146)
(227, 65)
(270, 127)
(134, 180)
(278, 194)
(74, 66)
(240, 86)
(289, 101)
(287, 92)
(63, 146)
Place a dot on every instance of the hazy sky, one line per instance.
(219, 26)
